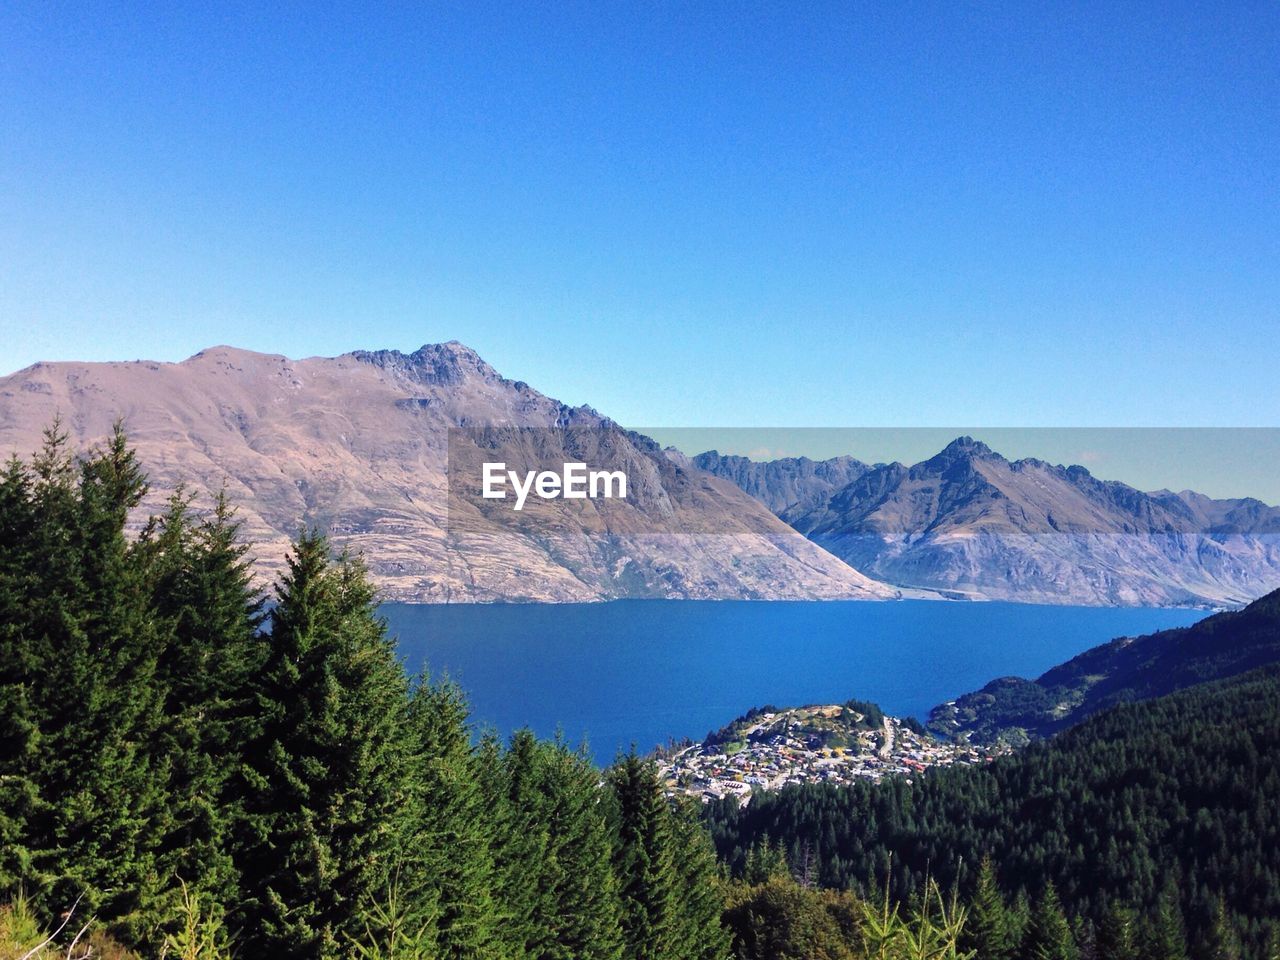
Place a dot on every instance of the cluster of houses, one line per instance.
(805, 745)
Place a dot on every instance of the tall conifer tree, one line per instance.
(96, 645)
(325, 776)
(987, 931)
(1165, 937)
(1118, 934)
(579, 915)
(700, 933)
(450, 849)
(1048, 935)
(1222, 941)
(644, 861)
(202, 587)
(19, 722)
(513, 786)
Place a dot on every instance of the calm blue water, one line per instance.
(645, 671)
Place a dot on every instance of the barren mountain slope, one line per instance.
(970, 521)
(786, 483)
(358, 445)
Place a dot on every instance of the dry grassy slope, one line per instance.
(357, 445)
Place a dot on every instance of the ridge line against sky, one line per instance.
(1221, 462)
(816, 216)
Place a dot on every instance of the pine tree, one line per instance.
(583, 845)
(324, 782)
(671, 908)
(576, 907)
(1165, 938)
(1222, 941)
(509, 783)
(987, 930)
(644, 861)
(202, 587)
(1118, 934)
(764, 861)
(700, 933)
(19, 730)
(1271, 943)
(94, 645)
(1048, 935)
(450, 843)
(1019, 918)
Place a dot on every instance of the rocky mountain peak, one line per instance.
(961, 450)
(966, 446)
(444, 364)
(968, 522)
(787, 483)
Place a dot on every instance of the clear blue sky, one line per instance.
(695, 214)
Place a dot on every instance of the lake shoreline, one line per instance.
(646, 673)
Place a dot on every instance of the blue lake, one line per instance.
(646, 671)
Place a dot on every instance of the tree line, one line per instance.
(176, 755)
(1158, 816)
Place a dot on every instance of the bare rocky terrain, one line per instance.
(359, 445)
(785, 483)
(970, 523)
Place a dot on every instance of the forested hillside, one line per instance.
(1172, 799)
(189, 773)
(1126, 669)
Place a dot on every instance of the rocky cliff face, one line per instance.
(359, 445)
(787, 483)
(968, 522)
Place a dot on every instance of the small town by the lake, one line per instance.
(772, 748)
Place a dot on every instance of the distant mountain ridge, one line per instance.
(1124, 670)
(786, 483)
(359, 445)
(969, 523)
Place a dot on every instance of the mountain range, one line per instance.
(789, 483)
(969, 523)
(359, 445)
